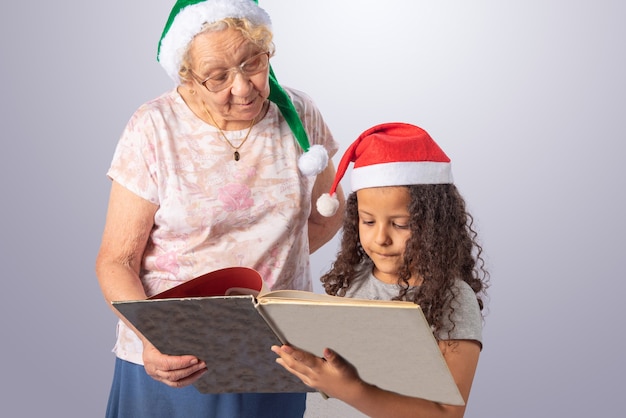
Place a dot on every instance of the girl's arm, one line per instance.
(337, 378)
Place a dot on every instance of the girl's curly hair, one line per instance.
(443, 247)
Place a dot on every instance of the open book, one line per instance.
(228, 319)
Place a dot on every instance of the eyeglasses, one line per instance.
(225, 78)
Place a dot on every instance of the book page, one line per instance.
(391, 344)
(303, 297)
(224, 282)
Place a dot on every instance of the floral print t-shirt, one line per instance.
(215, 212)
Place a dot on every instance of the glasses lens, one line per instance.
(255, 64)
(251, 66)
(218, 81)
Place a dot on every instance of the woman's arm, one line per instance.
(127, 228)
(321, 228)
(337, 378)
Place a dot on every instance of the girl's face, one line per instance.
(384, 228)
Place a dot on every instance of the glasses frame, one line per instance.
(238, 68)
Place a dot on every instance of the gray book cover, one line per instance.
(226, 332)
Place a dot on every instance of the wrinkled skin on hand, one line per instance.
(174, 371)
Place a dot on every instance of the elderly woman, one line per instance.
(220, 171)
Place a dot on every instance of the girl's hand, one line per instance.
(332, 375)
(174, 371)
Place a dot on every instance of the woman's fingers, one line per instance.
(175, 371)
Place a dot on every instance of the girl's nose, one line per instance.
(382, 237)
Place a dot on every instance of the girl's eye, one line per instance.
(399, 226)
(364, 222)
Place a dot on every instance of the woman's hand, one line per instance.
(174, 371)
(332, 375)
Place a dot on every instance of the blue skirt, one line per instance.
(134, 394)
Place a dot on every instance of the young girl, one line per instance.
(407, 236)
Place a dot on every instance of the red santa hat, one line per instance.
(391, 154)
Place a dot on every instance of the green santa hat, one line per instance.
(187, 19)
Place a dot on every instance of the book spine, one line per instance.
(270, 323)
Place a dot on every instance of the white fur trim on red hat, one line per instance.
(401, 173)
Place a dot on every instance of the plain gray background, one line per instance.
(528, 98)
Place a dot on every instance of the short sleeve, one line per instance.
(314, 124)
(133, 165)
(463, 320)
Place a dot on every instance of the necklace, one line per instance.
(235, 149)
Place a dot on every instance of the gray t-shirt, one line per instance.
(468, 322)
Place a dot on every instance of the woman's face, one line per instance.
(384, 228)
(214, 52)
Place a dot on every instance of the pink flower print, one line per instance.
(269, 265)
(235, 197)
(168, 262)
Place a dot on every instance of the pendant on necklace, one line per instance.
(236, 155)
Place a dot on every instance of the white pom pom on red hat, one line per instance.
(327, 205)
